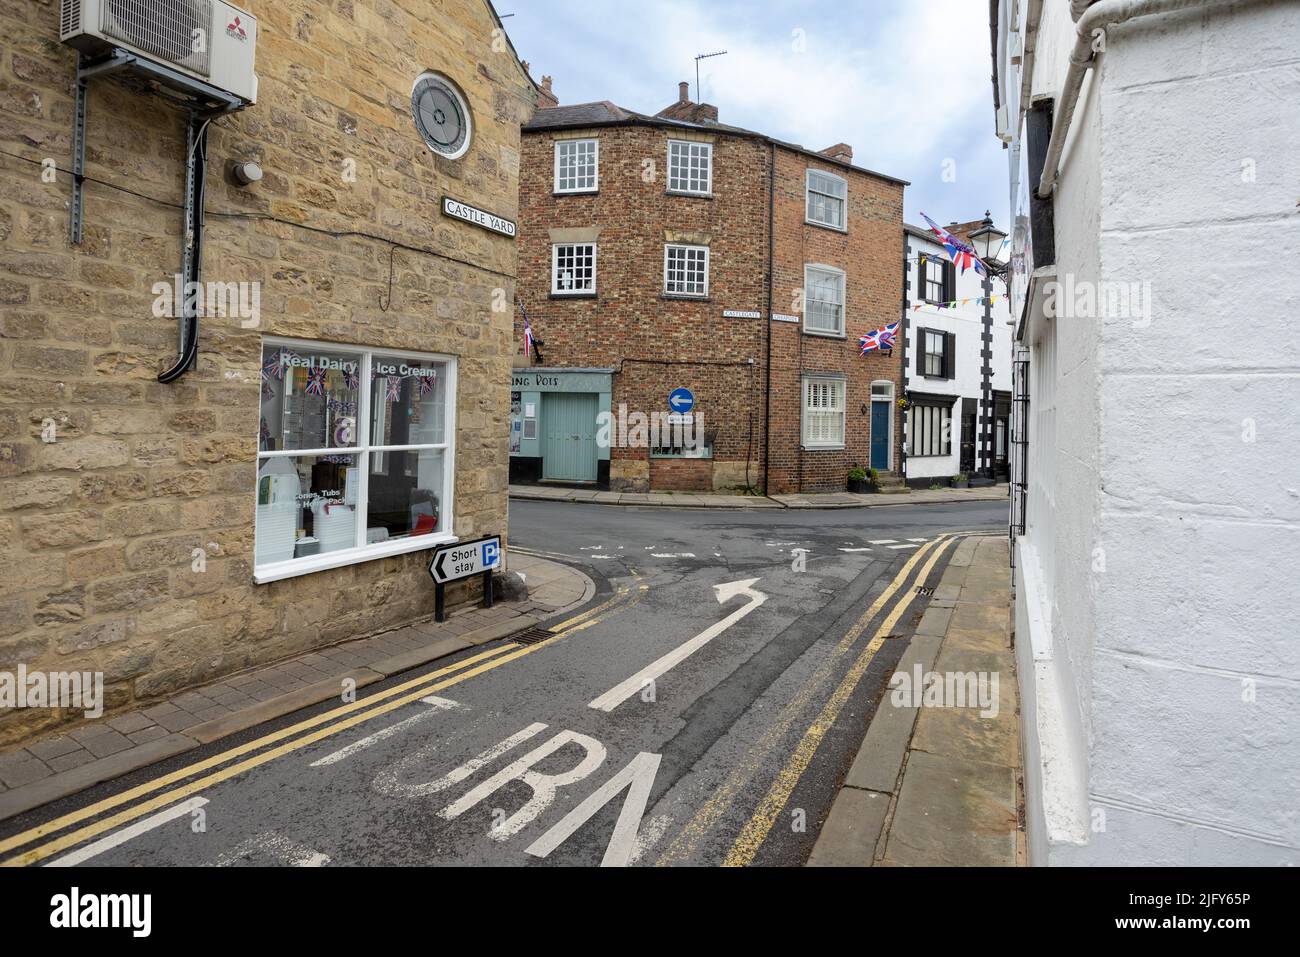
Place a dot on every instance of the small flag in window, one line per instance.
(393, 391)
(315, 381)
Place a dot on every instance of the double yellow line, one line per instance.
(760, 824)
(328, 724)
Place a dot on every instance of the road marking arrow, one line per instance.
(615, 696)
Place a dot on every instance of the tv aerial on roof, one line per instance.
(698, 58)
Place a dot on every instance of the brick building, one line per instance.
(254, 506)
(672, 251)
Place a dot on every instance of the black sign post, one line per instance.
(460, 560)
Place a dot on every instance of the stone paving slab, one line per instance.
(58, 765)
(946, 775)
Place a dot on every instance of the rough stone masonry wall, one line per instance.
(870, 253)
(630, 318)
(99, 527)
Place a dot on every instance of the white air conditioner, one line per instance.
(209, 40)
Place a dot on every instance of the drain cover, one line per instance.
(531, 636)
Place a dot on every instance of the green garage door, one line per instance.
(569, 425)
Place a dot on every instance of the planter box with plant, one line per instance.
(861, 480)
(960, 481)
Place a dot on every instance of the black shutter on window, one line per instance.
(949, 355)
(949, 281)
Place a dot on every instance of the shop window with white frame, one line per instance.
(823, 412)
(823, 300)
(577, 166)
(355, 449)
(573, 269)
(929, 429)
(690, 167)
(828, 197)
(686, 270)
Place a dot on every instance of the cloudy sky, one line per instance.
(905, 84)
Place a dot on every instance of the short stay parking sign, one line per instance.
(463, 559)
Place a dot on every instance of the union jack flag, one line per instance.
(275, 365)
(350, 380)
(884, 338)
(426, 384)
(393, 390)
(315, 381)
(962, 255)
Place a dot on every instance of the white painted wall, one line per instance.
(1156, 598)
(966, 322)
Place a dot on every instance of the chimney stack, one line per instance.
(545, 98)
(686, 110)
(840, 151)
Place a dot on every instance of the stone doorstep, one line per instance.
(61, 784)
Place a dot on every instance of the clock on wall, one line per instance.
(441, 115)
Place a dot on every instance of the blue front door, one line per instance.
(880, 435)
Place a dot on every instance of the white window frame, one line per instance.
(686, 190)
(942, 416)
(555, 266)
(841, 386)
(842, 227)
(668, 247)
(361, 551)
(843, 304)
(595, 183)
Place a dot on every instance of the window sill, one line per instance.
(687, 193)
(684, 297)
(822, 448)
(823, 335)
(575, 192)
(278, 571)
(842, 230)
(573, 295)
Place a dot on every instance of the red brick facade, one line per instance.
(655, 342)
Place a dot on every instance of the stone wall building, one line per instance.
(165, 534)
(672, 252)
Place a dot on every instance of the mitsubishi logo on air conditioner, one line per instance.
(234, 29)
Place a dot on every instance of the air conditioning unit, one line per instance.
(209, 40)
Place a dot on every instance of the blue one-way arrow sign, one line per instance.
(681, 400)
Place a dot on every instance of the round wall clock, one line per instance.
(441, 115)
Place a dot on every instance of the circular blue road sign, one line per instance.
(681, 400)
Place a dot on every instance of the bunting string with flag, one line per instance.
(952, 303)
(393, 389)
(962, 255)
(426, 384)
(879, 339)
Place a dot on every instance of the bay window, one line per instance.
(355, 451)
(929, 428)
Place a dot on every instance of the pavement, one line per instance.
(702, 707)
(939, 784)
(812, 500)
(62, 764)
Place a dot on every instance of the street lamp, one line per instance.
(988, 240)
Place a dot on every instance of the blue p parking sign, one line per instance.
(491, 553)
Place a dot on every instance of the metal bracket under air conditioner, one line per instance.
(204, 103)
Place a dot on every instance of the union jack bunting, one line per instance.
(962, 256)
(426, 384)
(528, 338)
(350, 380)
(885, 338)
(315, 381)
(393, 390)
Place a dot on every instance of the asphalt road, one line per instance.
(701, 711)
